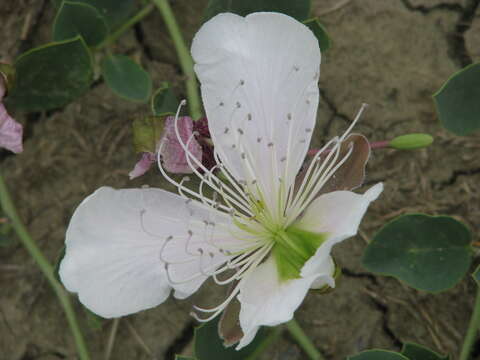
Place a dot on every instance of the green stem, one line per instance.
(127, 25)
(472, 330)
(184, 57)
(274, 334)
(47, 269)
(303, 340)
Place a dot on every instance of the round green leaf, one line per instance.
(164, 102)
(114, 12)
(418, 352)
(457, 102)
(430, 253)
(298, 9)
(209, 346)
(75, 18)
(51, 75)
(320, 33)
(126, 78)
(378, 355)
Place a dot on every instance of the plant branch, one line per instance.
(127, 25)
(47, 269)
(303, 340)
(274, 335)
(186, 61)
(472, 330)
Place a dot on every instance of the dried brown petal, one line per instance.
(352, 173)
(229, 325)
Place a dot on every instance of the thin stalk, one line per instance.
(186, 61)
(373, 145)
(9, 210)
(127, 25)
(303, 340)
(472, 330)
(265, 344)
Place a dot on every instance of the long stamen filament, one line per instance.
(198, 164)
(218, 309)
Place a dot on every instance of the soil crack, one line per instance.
(336, 113)
(457, 43)
(425, 10)
(455, 175)
(456, 40)
(380, 306)
(360, 275)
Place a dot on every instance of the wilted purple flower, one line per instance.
(172, 153)
(195, 133)
(143, 165)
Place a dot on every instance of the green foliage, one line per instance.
(430, 253)
(411, 141)
(7, 72)
(299, 9)
(146, 133)
(126, 78)
(58, 260)
(457, 101)
(476, 275)
(378, 355)
(179, 357)
(5, 240)
(320, 33)
(114, 12)
(6, 236)
(209, 346)
(51, 75)
(419, 352)
(164, 102)
(94, 321)
(76, 18)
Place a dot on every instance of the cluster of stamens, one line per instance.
(255, 221)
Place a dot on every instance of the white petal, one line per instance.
(265, 300)
(326, 268)
(338, 214)
(113, 247)
(259, 78)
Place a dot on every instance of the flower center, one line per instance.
(293, 248)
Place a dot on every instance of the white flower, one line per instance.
(271, 238)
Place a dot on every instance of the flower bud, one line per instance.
(411, 141)
(7, 74)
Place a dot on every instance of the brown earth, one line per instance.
(392, 54)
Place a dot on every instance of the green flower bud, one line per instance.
(7, 73)
(411, 141)
(146, 133)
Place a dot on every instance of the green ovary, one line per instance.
(293, 247)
